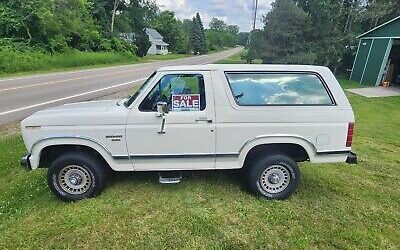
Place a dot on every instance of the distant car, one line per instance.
(259, 118)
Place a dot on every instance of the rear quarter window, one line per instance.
(263, 89)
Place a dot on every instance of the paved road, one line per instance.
(22, 96)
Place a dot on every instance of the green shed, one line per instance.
(378, 55)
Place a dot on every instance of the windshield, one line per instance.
(137, 93)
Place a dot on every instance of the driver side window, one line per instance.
(182, 92)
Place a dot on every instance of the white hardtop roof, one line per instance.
(243, 67)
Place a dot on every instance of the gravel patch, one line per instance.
(9, 129)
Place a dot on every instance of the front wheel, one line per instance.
(76, 176)
(274, 177)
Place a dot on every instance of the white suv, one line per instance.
(259, 118)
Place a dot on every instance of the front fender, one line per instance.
(69, 140)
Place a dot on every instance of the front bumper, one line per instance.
(351, 158)
(25, 163)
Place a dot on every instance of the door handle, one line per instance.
(203, 119)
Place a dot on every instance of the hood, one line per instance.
(81, 113)
(81, 107)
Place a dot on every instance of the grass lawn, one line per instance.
(336, 205)
(349, 84)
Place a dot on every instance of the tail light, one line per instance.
(350, 131)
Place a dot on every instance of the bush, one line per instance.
(18, 56)
(15, 45)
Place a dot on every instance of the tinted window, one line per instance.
(182, 92)
(257, 89)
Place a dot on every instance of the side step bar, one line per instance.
(169, 177)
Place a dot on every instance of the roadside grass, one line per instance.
(237, 59)
(336, 206)
(16, 64)
(164, 57)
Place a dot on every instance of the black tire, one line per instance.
(88, 167)
(278, 168)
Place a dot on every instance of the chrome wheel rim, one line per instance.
(74, 179)
(275, 179)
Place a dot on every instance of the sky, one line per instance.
(238, 12)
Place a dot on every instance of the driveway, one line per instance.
(376, 91)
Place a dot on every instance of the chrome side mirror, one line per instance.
(162, 109)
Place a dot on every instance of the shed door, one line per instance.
(376, 61)
(361, 59)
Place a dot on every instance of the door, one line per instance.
(189, 138)
(361, 59)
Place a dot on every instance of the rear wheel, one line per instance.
(75, 176)
(274, 177)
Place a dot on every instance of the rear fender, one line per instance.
(277, 139)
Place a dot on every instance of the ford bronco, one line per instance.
(263, 119)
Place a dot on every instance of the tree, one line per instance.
(243, 37)
(142, 42)
(187, 26)
(221, 35)
(255, 47)
(25, 19)
(114, 10)
(172, 30)
(217, 25)
(197, 36)
(233, 30)
(194, 36)
(200, 34)
(54, 25)
(377, 11)
(105, 11)
(328, 37)
(133, 18)
(286, 32)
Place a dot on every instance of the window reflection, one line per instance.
(255, 89)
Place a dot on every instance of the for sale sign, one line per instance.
(186, 102)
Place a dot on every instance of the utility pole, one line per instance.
(254, 22)
(255, 14)
(250, 54)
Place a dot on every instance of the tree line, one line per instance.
(322, 32)
(57, 26)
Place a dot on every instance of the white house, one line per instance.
(158, 46)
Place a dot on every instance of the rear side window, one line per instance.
(261, 89)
